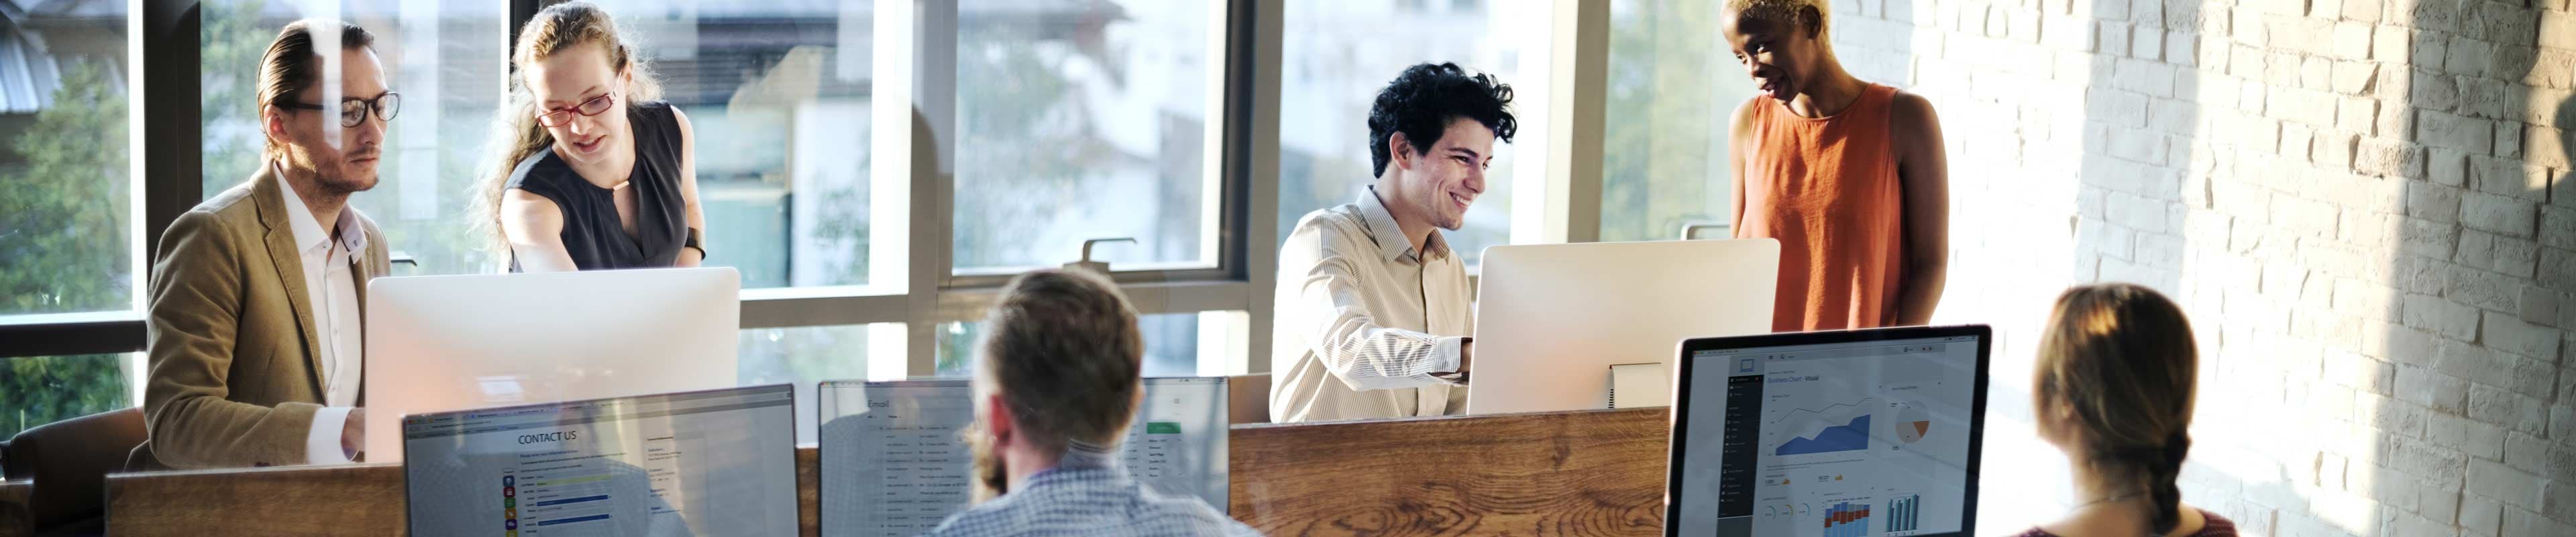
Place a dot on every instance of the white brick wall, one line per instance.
(2367, 206)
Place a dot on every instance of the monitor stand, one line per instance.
(1641, 385)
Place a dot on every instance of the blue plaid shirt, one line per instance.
(1088, 493)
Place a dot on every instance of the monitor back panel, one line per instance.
(1552, 318)
(437, 343)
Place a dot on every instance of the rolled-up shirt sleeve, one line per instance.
(1331, 310)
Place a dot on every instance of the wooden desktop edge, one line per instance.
(1577, 472)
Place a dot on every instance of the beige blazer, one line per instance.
(234, 380)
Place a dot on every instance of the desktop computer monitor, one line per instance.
(716, 462)
(1831, 434)
(893, 462)
(438, 343)
(1552, 319)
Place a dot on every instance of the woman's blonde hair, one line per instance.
(2118, 361)
(553, 31)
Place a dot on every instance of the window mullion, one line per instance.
(1254, 35)
(916, 55)
(1560, 200)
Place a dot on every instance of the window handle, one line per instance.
(1086, 263)
(1690, 230)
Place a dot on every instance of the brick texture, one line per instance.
(2367, 207)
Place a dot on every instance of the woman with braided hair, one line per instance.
(2113, 389)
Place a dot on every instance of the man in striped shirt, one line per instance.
(1373, 305)
(1058, 378)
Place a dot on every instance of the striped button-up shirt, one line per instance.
(1089, 493)
(1365, 321)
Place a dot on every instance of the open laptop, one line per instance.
(894, 463)
(1592, 325)
(439, 343)
(1831, 434)
(715, 462)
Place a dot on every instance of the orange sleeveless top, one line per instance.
(1827, 189)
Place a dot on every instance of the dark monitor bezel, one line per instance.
(1675, 447)
(411, 516)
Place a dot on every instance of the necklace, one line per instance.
(2106, 499)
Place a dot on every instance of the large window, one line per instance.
(1052, 122)
(1080, 120)
(444, 57)
(778, 95)
(1672, 88)
(1334, 58)
(1173, 343)
(65, 183)
(807, 355)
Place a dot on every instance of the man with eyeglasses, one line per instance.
(253, 333)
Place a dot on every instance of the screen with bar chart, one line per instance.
(1823, 435)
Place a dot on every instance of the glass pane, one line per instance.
(777, 95)
(1081, 120)
(443, 57)
(1171, 345)
(45, 389)
(807, 355)
(64, 154)
(1673, 87)
(1336, 56)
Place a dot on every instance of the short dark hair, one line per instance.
(289, 63)
(1063, 351)
(1423, 101)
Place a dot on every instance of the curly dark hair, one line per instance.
(1423, 101)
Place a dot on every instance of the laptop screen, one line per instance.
(894, 463)
(1831, 434)
(717, 462)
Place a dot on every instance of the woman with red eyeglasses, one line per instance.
(593, 173)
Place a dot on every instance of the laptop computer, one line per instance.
(1834, 434)
(894, 463)
(714, 462)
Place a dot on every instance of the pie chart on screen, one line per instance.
(1912, 424)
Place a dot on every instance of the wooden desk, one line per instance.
(1575, 473)
(1563, 473)
(359, 499)
(17, 517)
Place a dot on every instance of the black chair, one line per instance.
(69, 461)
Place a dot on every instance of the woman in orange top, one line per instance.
(1847, 175)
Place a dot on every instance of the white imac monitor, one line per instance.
(440, 343)
(1553, 319)
(894, 465)
(716, 462)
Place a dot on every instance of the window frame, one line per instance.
(1559, 185)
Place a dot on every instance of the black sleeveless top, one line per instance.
(591, 230)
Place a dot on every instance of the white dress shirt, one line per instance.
(1364, 320)
(331, 290)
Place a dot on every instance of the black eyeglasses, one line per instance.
(588, 107)
(354, 110)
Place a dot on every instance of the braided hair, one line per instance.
(2118, 360)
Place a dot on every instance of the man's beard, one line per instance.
(992, 476)
(335, 176)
